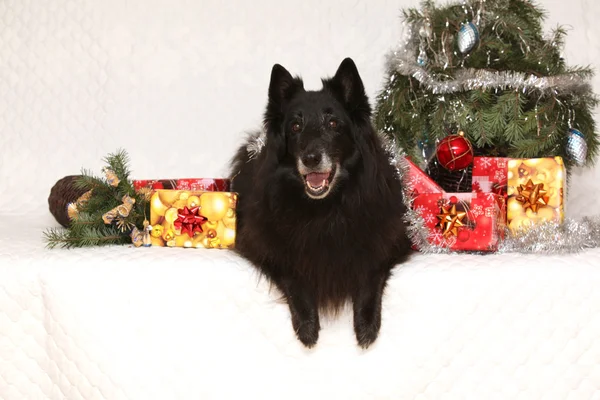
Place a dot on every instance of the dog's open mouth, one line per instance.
(318, 183)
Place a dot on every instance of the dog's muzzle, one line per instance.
(318, 172)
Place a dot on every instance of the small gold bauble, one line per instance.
(193, 201)
(168, 235)
(157, 231)
(184, 196)
(228, 237)
(211, 234)
(210, 224)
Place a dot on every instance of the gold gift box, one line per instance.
(536, 191)
(213, 224)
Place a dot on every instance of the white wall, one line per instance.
(177, 83)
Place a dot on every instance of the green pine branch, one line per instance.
(88, 228)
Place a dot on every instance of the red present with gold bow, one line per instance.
(462, 221)
(190, 218)
(536, 191)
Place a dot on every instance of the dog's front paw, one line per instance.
(366, 328)
(307, 331)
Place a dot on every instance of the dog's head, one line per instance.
(316, 131)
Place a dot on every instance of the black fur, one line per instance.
(321, 252)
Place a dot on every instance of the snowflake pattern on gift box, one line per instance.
(420, 209)
(485, 162)
(436, 236)
(490, 196)
(183, 185)
(502, 163)
(415, 180)
(489, 212)
(477, 211)
(500, 175)
(429, 218)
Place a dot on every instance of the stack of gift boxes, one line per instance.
(196, 213)
(506, 193)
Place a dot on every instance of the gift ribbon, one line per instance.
(189, 220)
(532, 196)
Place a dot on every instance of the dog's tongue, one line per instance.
(315, 179)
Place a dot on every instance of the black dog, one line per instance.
(320, 206)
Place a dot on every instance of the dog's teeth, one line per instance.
(324, 183)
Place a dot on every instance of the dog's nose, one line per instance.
(311, 160)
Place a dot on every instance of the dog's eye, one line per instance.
(333, 124)
(296, 127)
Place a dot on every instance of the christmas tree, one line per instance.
(484, 68)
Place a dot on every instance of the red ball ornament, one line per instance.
(455, 152)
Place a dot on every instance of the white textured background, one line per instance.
(177, 83)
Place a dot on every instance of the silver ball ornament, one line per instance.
(576, 147)
(468, 37)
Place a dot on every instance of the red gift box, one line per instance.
(419, 182)
(462, 221)
(490, 175)
(197, 184)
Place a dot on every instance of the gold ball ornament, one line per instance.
(156, 231)
(184, 196)
(228, 237)
(168, 235)
(214, 205)
(179, 204)
(210, 224)
(158, 209)
(171, 215)
(168, 197)
(546, 214)
(229, 222)
(193, 201)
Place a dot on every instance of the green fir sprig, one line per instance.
(88, 228)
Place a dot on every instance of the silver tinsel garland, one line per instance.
(256, 143)
(404, 63)
(553, 238)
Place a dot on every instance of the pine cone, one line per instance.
(62, 193)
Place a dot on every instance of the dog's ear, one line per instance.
(348, 86)
(282, 86)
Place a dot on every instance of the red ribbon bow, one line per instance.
(189, 220)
